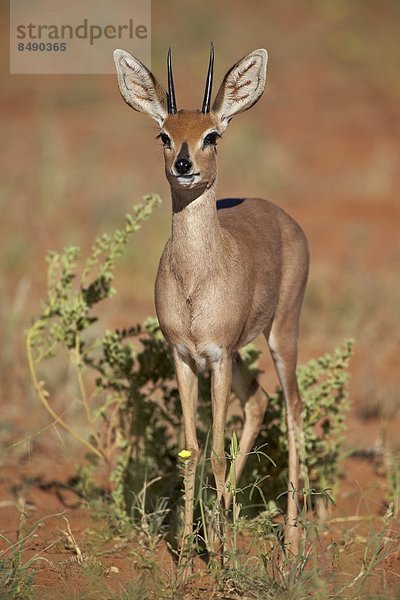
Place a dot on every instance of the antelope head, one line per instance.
(189, 137)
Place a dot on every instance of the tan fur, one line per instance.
(224, 277)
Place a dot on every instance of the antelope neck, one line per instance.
(196, 233)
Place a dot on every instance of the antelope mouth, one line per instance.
(187, 180)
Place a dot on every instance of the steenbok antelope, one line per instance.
(231, 269)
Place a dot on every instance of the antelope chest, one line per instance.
(200, 322)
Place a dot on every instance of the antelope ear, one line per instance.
(139, 88)
(242, 87)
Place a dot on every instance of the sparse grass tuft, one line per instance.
(16, 573)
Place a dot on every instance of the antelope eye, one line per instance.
(165, 140)
(211, 139)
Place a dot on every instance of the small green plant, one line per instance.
(393, 479)
(17, 574)
(150, 525)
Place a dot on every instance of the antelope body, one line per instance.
(231, 269)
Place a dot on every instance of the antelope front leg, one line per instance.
(186, 375)
(221, 382)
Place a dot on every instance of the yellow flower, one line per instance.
(185, 454)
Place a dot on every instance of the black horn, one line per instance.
(209, 82)
(171, 90)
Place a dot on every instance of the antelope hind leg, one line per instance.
(254, 401)
(284, 353)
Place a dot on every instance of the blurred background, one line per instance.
(323, 143)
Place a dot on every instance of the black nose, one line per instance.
(183, 166)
